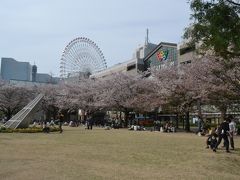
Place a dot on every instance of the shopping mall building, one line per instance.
(146, 56)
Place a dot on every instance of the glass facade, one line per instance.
(165, 53)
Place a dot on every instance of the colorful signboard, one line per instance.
(162, 55)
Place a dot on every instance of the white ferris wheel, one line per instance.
(81, 56)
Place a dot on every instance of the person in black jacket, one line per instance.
(223, 132)
(61, 118)
(212, 139)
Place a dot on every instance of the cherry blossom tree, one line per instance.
(14, 98)
(223, 82)
(206, 81)
(81, 94)
(50, 102)
(146, 97)
(116, 92)
(181, 87)
(124, 93)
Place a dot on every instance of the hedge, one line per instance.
(26, 130)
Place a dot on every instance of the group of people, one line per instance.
(59, 120)
(164, 127)
(169, 127)
(225, 131)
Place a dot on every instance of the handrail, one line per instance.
(22, 114)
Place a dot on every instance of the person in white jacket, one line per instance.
(232, 129)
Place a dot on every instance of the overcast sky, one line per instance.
(38, 30)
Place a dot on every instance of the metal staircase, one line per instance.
(24, 117)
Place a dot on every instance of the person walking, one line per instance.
(232, 128)
(90, 123)
(61, 117)
(223, 132)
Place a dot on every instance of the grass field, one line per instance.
(113, 154)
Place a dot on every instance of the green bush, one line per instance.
(2, 128)
(26, 130)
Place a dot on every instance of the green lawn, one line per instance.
(113, 154)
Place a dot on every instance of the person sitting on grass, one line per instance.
(212, 138)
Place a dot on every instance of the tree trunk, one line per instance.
(120, 117)
(126, 117)
(199, 108)
(177, 120)
(9, 114)
(187, 126)
(183, 121)
(223, 111)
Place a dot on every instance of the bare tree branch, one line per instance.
(234, 3)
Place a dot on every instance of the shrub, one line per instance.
(5, 130)
(26, 130)
(2, 128)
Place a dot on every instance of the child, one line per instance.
(212, 139)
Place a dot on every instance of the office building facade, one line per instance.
(15, 71)
(12, 69)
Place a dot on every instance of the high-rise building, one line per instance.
(12, 69)
(34, 73)
(18, 72)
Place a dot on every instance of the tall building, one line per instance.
(12, 69)
(141, 53)
(34, 73)
(19, 72)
